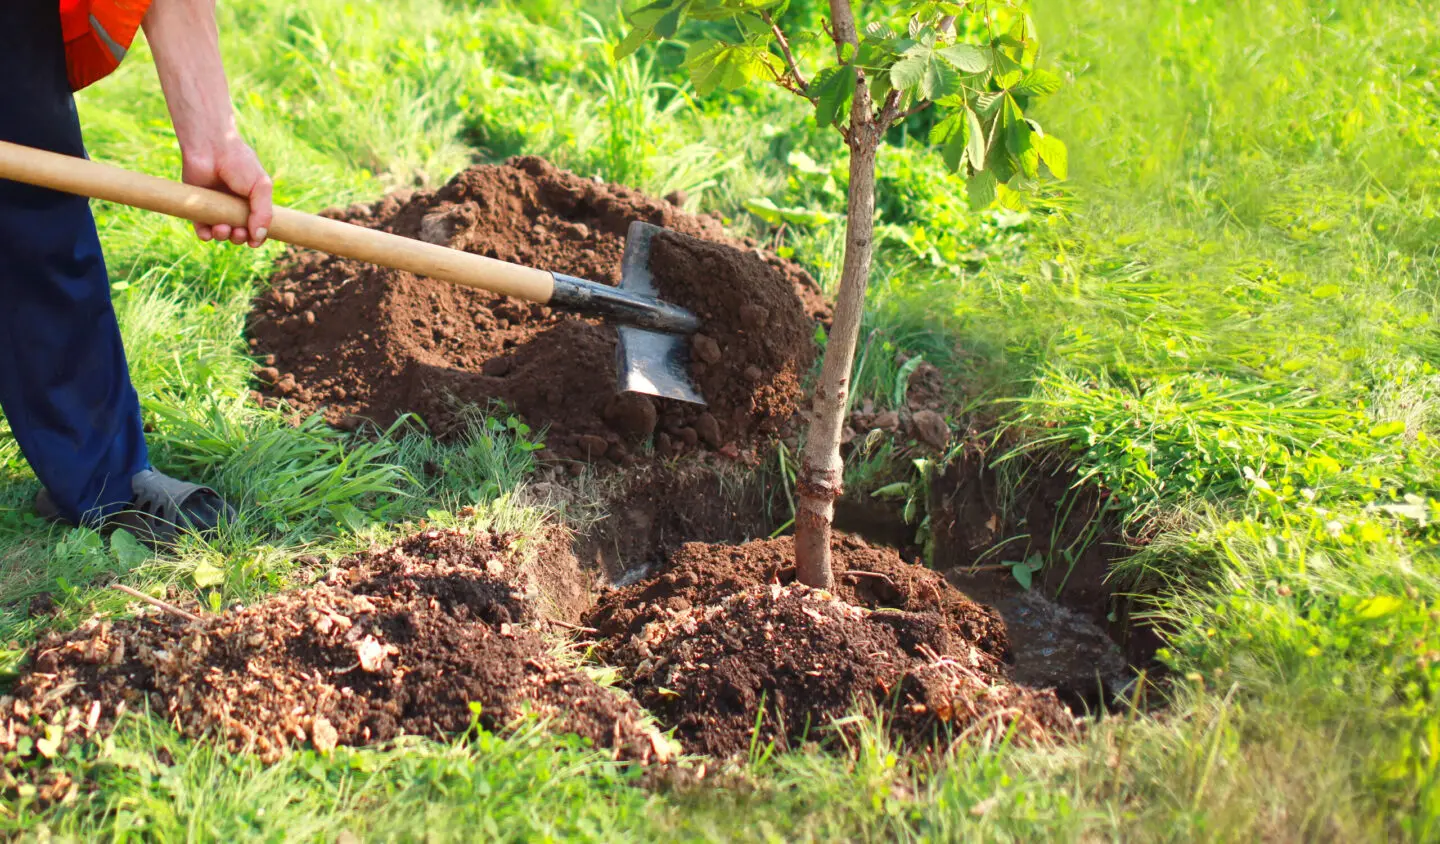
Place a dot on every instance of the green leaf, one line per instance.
(1022, 574)
(1023, 33)
(632, 41)
(773, 214)
(670, 21)
(981, 189)
(902, 387)
(1008, 72)
(1053, 153)
(952, 135)
(719, 64)
(127, 549)
(1009, 196)
(921, 71)
(977, 141)
(1388, 429)
(899, 489)
(349, 515)
(1038, 83)
(1377, 607)
(50, 744)
(1326, 291)
(659, 19)
(1012, 119)
(1020, 141)
(802, 161)
(987, 104)
(878, 31)
(966, 57)
(832, 91)
(207, 574)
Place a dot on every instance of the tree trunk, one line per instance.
(821, 468)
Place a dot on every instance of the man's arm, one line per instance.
(182, 35)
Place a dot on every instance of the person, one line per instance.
(65, 387)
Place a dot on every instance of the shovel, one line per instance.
(651, 356)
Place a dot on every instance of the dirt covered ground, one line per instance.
(366, 343)
(723, 639)
(396, 640)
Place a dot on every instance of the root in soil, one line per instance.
(723, 639)
(398, 640)
(366, 343)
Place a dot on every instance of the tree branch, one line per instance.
(784, 81)
(915, 109)
(156, 602)
(889, 111)
(785, 49)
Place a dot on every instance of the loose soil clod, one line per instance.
(399, 640)
(364, 342)
(722, 634)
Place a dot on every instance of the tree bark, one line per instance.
(821, 469)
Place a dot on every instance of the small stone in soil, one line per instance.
(708, 430)
(931, 429)
(753, 316)
(705, 348)
(592, 445)
(632, 414)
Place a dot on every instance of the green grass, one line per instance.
(1226, 317)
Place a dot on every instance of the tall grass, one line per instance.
(1227, 319)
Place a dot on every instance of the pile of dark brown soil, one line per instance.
(366, 343)
(700, 574)
(399, 640)
(723, 638)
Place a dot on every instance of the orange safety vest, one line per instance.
(97, 34)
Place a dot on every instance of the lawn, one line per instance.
(1225, 318)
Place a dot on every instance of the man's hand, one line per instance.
(183, 37)
(233, 167)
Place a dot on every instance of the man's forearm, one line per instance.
(183, 37)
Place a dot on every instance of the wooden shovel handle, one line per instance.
(200, 205)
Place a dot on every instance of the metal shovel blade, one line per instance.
(651, 362)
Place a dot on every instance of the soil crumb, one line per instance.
(397, 640)
(724, 638)
(362, 342)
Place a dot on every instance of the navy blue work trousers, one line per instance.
(64, 385)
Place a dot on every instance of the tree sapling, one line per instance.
(907, 58)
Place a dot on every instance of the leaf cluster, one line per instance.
(909, 57)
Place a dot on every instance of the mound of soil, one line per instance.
(366, 343)
(723, 639)
(700, 574)
(399, 640)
